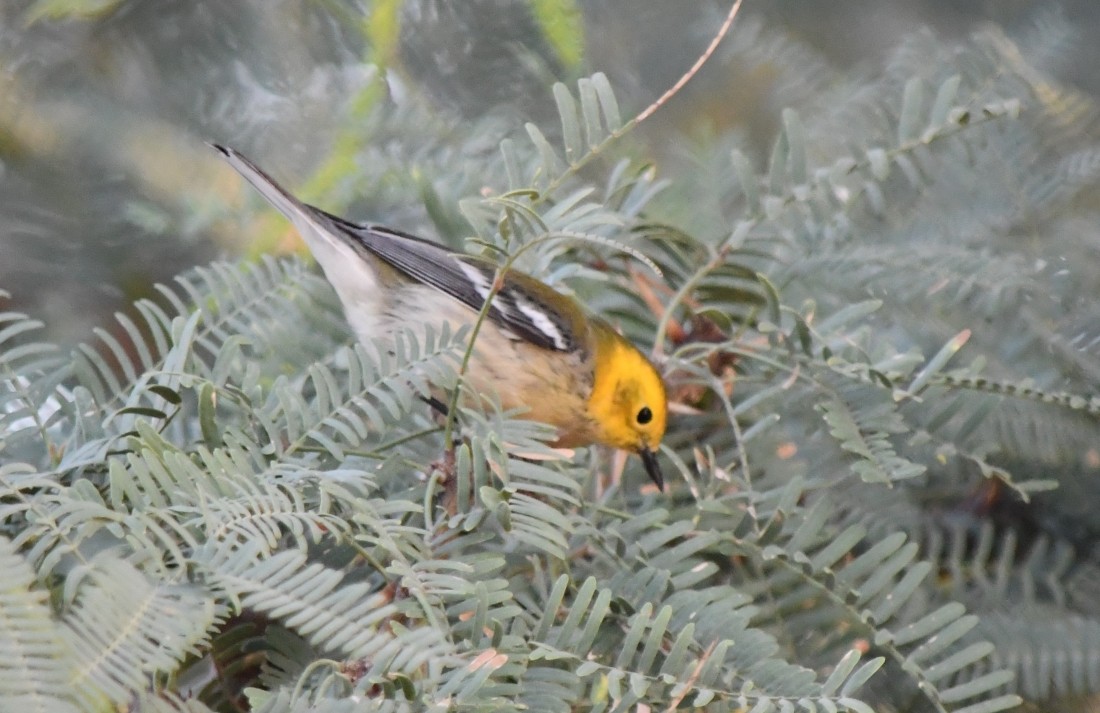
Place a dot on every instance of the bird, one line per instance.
(538, 350)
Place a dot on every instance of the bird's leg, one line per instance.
(448, 478)
(446, 465)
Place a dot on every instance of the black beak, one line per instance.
(649, 458)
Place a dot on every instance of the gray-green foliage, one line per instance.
(222, 493)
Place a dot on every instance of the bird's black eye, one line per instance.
(645, 415)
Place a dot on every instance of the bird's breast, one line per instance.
(549, 386)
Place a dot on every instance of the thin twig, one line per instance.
(690, 683)
(672, 91)
(649, 110)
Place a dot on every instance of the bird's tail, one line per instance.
(326, 241)
(296, 211)
(346, 264)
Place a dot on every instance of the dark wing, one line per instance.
(524, 307)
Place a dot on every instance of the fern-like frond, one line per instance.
(35, 663)
(316, 603)
(175, 504)
(289, 701)
(336, 411)
(877, 586)
(863, 421)
(1053, 653)
(123, 629)
(586, 125)
(162, 702)
(212, 310)
(32, 397)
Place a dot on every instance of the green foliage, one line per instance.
(222, 504)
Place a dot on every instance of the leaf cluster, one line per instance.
(223, 504)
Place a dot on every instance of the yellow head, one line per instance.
(628, 405)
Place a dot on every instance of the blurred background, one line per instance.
(106, 186)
